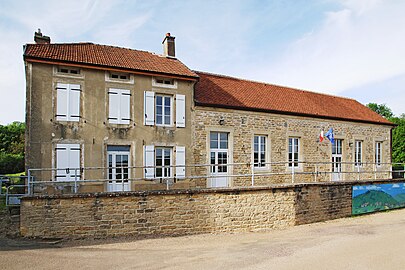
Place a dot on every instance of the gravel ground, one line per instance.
(368, 242)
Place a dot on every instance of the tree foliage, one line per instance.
(381, 109)
(398, 133)
(12, 148)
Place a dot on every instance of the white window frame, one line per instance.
(57, 72)
(167, 170)
(378, 153)
(163, 85)
(358, 153)
(163, 110)
(295, 144)
(120, 118)
(260, 164)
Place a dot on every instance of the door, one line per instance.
(218, 159)
(118, 171)
(337, 160)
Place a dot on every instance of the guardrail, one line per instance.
(12, 188)
(250, 173)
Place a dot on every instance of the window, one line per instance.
(378, 152)
(163, 110)
(164, 82)
(259, 151)
(358, 153)
(68, 70)
(163, 162)
(67, 162)
(293, 152)
(119, 106)
(162, 158)
(68, 102)
(119, 76)
(163, 105)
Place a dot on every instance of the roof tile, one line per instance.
(107, 56)
(223, 91)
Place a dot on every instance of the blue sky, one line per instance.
(352, 48)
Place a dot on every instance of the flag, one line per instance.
(330, 136)
(321, 136)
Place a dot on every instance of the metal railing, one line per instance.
(235, 174)
(12, 188)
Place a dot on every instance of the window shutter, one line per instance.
(180, 160)
(149, 160)
(67, 159)
(61, 101)
(180, 110)
(74, 103)
(113, 106)
(74, 161)
(62, 162)
(149, 108)
(125, 107)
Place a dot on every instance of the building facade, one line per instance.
(117, 119)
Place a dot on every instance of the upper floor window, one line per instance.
(68, 102)
(112, 76)
(358, 145)
(378, 153)
(119, 106)
(159, 109)
(259, 151)
(164, 82)
(163, 110)
(293, 152)
(68, 70)
(119, 76)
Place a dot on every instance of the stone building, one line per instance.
(139, 120)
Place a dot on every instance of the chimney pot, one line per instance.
(41, 39)
(169, 49)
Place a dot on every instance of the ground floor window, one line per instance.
(118, 159)
(163, 162)
(259, 151)
(67, 162)
(358, 145)
(378, 152)
(293, 152)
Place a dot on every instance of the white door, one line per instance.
(337, 160)
(118, 171)
(218, 155)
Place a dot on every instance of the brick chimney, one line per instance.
(40, 39)
(168, 46)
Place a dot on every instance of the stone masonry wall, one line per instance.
(243, 125)
(185, 212)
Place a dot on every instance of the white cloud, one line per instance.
(360, 43)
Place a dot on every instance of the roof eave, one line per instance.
(197, 103)
(106, 67)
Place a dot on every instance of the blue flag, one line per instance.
(330, 136)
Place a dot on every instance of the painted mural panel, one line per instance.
(372, 198)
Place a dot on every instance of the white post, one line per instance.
(375, 171)
(29, 182)
(293, 172)
(252, 165)
(75, 180)
(358, 172)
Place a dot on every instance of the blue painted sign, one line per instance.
(373, 198)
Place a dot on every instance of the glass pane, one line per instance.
(159, 119)
(118, 160)
(167, 120)
(214, 140)
(167, 110)
(256, 147)
(262, 159)
(256, 159)
(158, 172)
(158, 110)
(158, 100)
(212, 159)
(256, 139)
(223, 145)
(167, 101)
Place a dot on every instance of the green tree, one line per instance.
(381, 109)
(12, 148)
(398, 139)
(398, 133)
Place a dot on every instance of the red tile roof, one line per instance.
(222, 91)
(107, 56)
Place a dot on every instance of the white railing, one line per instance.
(39, 179)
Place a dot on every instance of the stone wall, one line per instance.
(181, 212)
(243, 125)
